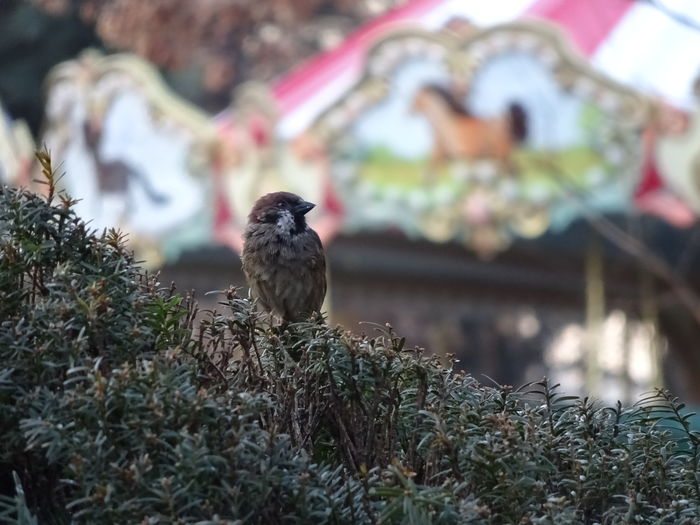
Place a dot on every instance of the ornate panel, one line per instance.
(491, 135)
(132, 151)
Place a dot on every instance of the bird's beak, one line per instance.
(303, 208)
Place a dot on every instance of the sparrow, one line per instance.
(283, 259)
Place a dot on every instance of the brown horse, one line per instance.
(115, 176)
(461, 135)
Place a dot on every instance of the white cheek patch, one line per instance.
(285, 222)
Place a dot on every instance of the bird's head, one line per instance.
(283, 209)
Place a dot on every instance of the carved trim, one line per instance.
(463, 56)
(94, 67)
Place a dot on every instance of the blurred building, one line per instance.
(515, 183)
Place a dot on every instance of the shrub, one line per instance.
(117, 407)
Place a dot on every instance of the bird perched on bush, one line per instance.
(283, 258)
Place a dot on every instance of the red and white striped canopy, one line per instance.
(634, 42)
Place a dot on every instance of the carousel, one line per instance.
(516, 183)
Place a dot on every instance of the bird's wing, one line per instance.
(318, 266)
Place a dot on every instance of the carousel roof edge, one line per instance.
(292, 90)
(147, 75)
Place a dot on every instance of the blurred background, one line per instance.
(516, 182)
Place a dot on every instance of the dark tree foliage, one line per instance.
(204, 49)
(31, 43)
(208, 47)
(116, 407)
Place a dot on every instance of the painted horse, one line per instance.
(460, 135)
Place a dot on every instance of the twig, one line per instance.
(632, 246)
(352, 450)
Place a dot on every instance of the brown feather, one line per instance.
(285, 268)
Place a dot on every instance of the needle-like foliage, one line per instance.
(116, 406)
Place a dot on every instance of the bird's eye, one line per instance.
(280, 205)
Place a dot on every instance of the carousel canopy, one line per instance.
(645, 45)
(449, 120)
